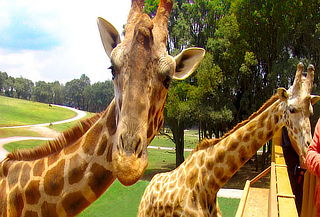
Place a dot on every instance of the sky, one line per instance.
(57, 40)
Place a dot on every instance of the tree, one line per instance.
(42, 92)
(74, 92)
(98, 95)
(23, 88)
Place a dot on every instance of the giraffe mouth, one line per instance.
(129, 168)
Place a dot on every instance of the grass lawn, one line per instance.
(16, 132)
(65, 126)
(23, 112)
(121, 201)
(23, 144)
(117, 201)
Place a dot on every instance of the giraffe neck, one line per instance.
(65, 182)
(218, 163)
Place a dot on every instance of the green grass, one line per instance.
(65, 126)
(23, 144)
(17, 132)
(121, 201)
(16, 112)
(228, 206)
(190, 140)
(117, 201)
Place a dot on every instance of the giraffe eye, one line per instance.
(292, 110)
(112, 72)
(166, 81)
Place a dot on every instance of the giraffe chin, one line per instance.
(128, 169)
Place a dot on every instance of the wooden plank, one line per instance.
(255, 179)
(287, 207)
(243, 200)
(279, 158)
(273, 203)
(283, 182)
(256, 203)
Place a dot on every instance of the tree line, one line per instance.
(77, 93)
(252, 47)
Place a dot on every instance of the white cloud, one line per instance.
(73, 24)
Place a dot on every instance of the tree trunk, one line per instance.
(177, 129)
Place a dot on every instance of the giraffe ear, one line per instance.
(187, 62)
(109, 35)
(282, 93)
(314, 99)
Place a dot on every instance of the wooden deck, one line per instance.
(278, 200)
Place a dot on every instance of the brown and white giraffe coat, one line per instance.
(191, 189)
(67, 175)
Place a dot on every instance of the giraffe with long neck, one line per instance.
(65, 176)
(191, 189)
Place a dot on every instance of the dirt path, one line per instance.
(46, 133)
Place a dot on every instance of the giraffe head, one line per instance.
(141, 70)
(297, 105)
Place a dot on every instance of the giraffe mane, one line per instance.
(65, 139)
(206, 143)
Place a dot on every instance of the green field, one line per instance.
(16, 112)
(16, 132)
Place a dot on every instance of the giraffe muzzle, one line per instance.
(129, 168)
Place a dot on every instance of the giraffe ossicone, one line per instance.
(191, 189)
(65, 176)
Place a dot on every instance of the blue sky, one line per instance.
(56, 40)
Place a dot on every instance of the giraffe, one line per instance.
(191, 189)
(65, 176)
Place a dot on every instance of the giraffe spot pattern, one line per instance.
(92, 139)
(77, 168)
(220, 154)
(100, 179)
(53, 181)
(38, 168)
(232, 164)
(71, 148)
(73, 203)
(3, 198)
(218, 172)
(191, 178)
(103, 145)
(233, 144)
(53, 158)
(246, 137)
(242, 155)
(150, 130)
(31, 214)
(13, 177)
(25, 176)
(109, 154)
(16, 200)
(48, 210)
(32, 192)
(209, 164)
(111, 122)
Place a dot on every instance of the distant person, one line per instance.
(296, 174)
(313, 163)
